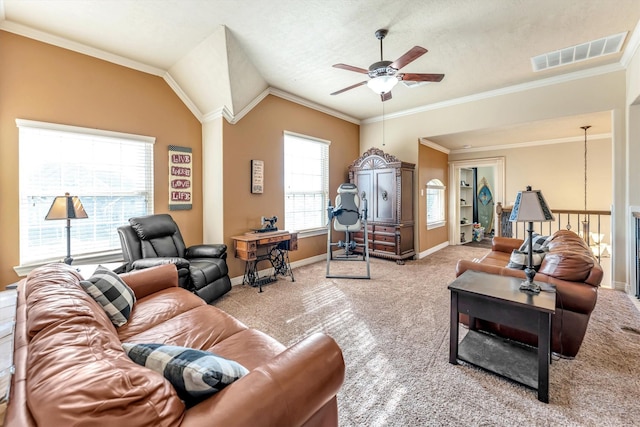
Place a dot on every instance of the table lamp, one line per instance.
(67, 207)
(530, 207)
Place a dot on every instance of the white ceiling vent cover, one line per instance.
(582, 52)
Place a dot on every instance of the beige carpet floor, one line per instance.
(394, 331)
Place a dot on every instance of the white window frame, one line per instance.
(37, 192)
(320, 194)
(435, 188)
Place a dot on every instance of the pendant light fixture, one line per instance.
(585, 221)
(383, 124)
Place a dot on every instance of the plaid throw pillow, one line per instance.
(193, 373)
(539, 242)
(115, 297)
(519, 259)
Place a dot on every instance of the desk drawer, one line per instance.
(385, 229)
(274, 239)
(385, 248)
(384, 238)
(241, 245)
(246, 255)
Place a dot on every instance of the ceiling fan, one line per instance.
(384, 74)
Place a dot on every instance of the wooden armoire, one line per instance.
(387, 184)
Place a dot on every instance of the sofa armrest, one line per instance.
(285, 391)
(150, 280)
(206, 251)
(153, 262)
(505, 244)
(464, 265)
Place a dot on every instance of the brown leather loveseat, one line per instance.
(71, 369)
(570, 266)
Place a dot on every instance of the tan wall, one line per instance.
(592, 94)
(259, 135)
(432, 164)
(46, 83)
(604, 92)
(558, 170)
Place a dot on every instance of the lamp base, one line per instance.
(532, 287)
(68, 260)
(529, 285)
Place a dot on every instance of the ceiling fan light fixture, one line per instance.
(382, 84)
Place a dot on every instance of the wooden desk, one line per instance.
(274, 246)
(499, 299)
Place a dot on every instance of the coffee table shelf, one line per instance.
(503, 357)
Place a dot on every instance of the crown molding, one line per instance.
(532, 143)
(632, 47)
(249, 107)
(31, 33)
(183, 96)
(222, 112)
(233, 119)
(431, 144)
(306, 103)
(563, 78)
(22, 30)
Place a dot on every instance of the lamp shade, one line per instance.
(382, 84)
(66, 207)
(530, 206)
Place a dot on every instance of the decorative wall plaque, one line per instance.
(180, 178)
(257, 176)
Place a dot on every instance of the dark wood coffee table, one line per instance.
(498, 299)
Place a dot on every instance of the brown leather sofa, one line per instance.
(570, 267)
(71, 369)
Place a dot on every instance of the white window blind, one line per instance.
(435, 203)
(111, 173)
(306, 182)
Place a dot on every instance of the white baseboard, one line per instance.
(433, 250)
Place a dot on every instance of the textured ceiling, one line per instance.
(479, 45)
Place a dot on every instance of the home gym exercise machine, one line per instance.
(346, 217)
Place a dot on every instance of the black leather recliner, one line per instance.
(155, 239)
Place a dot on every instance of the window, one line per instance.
(306, 182)
(111, 173)
(435, 204)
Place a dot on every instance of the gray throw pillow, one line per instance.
(519, 259)
(193, 373)
(115, 297)
(539, 242)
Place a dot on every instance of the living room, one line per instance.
(64, 84)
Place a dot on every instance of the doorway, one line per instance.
(489, 167)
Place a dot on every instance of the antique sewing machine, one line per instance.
(268, 224)
(265, 244)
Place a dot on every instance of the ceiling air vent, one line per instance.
(582, 52)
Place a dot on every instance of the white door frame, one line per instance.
(498, 165)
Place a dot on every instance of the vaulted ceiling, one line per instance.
(223, 53)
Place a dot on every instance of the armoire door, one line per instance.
(384, 209)
(364, 182)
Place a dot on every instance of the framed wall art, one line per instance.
(257, 176)
(180, 180)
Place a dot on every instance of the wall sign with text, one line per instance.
(257, 176)
(180, 180)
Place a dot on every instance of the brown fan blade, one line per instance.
(417, 77)
(351, 68)
(385, 96)
(350, 87)
(413, 54)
